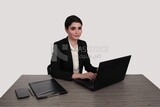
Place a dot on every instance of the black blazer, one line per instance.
(61, 62)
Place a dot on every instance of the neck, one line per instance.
(73, 42)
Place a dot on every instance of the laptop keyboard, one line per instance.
(86, 82)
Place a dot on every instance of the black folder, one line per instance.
(22, 93)
(47, 88)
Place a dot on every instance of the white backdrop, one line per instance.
(112, 29)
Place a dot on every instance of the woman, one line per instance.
(70, 54)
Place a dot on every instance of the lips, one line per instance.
(76, 35)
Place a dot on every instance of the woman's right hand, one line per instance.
(88, 75)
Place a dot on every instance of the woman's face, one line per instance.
(74, 31)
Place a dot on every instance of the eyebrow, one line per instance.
(75, 27)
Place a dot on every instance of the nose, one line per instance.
(77, 31)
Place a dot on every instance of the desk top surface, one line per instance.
(134, 90)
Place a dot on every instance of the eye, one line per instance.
(79, 28)
(73, 28)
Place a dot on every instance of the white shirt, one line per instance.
(75, 58)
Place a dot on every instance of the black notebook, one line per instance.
(47, 88)
(22, 93)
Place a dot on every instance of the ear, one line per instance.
(66, 30)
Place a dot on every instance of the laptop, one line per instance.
(109, 72)
(46, 88)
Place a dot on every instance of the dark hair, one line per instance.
(71, 19)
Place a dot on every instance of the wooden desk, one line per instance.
(134, 91)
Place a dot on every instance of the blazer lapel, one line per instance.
(70, 61)
(80, 55)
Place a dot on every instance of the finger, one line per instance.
(87, 76)
(92, 75)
